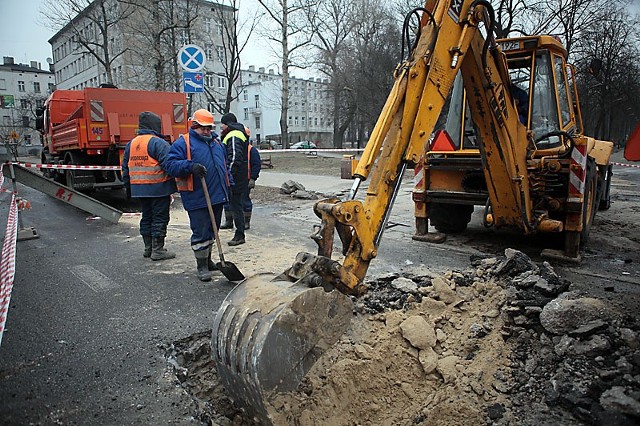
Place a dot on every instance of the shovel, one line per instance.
(228, 269)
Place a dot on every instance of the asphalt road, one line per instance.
(89, 322)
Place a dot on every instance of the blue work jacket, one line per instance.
(211, 155)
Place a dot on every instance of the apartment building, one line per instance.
(143, 44)
(23, 88)
(310, 107)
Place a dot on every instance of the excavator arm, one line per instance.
(450, 41)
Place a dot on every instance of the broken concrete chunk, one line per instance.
(616, 400)
(428, 359)
(418, 332)
(405, 285)
(562, 316)
(444, 292)
(290, 187)
(447, 367)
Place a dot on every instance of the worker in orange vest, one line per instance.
(145, 178)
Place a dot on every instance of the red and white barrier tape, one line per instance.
(275, 151)
(8, 263)
(625, 165)
(65, 166)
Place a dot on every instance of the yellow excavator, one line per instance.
(527, 162)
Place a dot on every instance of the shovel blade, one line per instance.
(268, 333)
(230, 271)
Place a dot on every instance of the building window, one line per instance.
(222, 82)
(246, 113)
(245, 95)
(25, 121)
(295, 121)
(257, 99)
(24, 104)
(257, 123)
(207, 24)
(209, 52)
(219, 27)
(303, 121)
(20, 86)
(209, 79)
(220, 52)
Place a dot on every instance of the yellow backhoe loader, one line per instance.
(534, 170)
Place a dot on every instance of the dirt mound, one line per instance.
(493, 344)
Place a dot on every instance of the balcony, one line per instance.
(255, 111)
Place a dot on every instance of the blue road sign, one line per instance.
(192, 82)
(192, 58)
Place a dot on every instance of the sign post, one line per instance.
(192, 59)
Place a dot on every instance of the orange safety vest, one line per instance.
(144, 169)
(186, 183)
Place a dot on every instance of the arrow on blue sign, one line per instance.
(192, 58)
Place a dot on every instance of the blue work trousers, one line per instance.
(202, 235)
(155, 215)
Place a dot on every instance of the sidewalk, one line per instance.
(316, 183)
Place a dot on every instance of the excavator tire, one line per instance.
(591, 200)
(450, 218)
(268, 333)
(604, 200)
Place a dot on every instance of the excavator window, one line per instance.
(520, 75)
(544, 107)
(563, 96)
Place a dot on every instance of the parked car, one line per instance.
(304, 145)
(269, 144)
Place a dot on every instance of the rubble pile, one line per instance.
(505, 342)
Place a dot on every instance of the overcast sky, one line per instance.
(23, 38)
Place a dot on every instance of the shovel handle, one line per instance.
(213, 219)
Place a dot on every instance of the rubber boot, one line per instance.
(228, 220)
(247, 220)
(158, 252)
(202, 260)
(210, 263)
(148, 245)
(236, 241)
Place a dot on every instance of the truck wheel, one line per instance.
(450, 218)
(70, 175)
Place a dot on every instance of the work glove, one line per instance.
(198, 170)
(252, 183)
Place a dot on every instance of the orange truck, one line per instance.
(91, 127)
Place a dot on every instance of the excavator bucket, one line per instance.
(269, 332)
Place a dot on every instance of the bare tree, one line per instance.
(158, 27)
(292, 35)
(333, 23)
(611, 96)
(376, 52)
(92, 24)
(235, 35)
